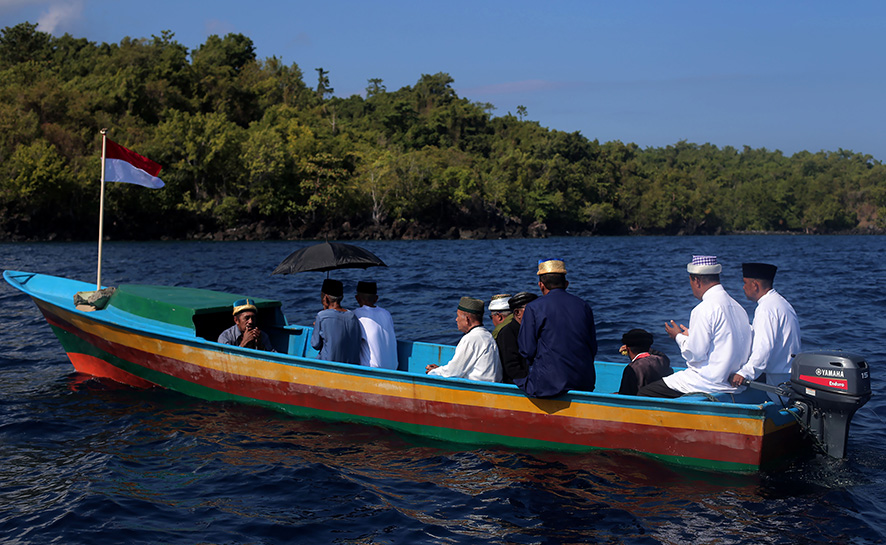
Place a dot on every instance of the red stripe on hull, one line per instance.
(706, 445)
(96, 367)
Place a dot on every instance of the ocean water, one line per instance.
(91, 461)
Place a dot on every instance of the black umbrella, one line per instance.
(328, 256)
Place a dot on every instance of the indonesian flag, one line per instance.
(123, 165)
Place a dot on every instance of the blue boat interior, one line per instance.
(413, 356)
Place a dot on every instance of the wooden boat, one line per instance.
(150, 336)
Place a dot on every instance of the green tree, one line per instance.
(244, 140)
(201, 153)
(324, 90)
(218, 65)
(23, 43)
(375, 87)
(36, 188)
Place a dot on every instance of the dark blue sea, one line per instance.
(84, 460)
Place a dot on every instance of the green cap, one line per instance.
(471, 305)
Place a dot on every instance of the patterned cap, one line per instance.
(704, 264)
(244, 304)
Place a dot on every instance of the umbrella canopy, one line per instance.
(328, 256)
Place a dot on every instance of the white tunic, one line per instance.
(718, 344)
(378, 345)
(776, 338)
(476, 358)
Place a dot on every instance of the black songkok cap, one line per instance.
(521, 299)
(369, 288)
(762, 271)
(639, 338)
(333, 288)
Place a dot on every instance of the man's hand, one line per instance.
(673, 329)
(737, 380)
(430, 368)
(250, 336)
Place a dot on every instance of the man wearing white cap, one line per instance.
(717, 342)
(500, 313)
(513, 364)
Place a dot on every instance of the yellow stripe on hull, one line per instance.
(227, 363)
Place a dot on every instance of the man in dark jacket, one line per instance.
(512, 363)
(646, 365)
(557, 337)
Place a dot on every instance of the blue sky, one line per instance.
(786, 75)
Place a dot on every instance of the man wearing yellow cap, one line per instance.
(557, 337)
(245, 332)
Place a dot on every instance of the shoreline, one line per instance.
(413, 232)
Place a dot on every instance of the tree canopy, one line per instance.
(249, 148)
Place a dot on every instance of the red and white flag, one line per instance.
(123, 165)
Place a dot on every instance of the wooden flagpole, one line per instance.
(101, 213)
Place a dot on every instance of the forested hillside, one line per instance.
(254, 148)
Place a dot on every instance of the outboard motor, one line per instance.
(827, 387)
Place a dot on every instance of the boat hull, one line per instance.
(722, 436)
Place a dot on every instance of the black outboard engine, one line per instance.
(827, 387)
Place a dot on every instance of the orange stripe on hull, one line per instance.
(90, 365)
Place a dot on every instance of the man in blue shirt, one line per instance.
(557, 337)
(336, 330)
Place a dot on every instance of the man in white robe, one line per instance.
(715, 345)
(476, 355)
(776, 329)
(378, 342)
